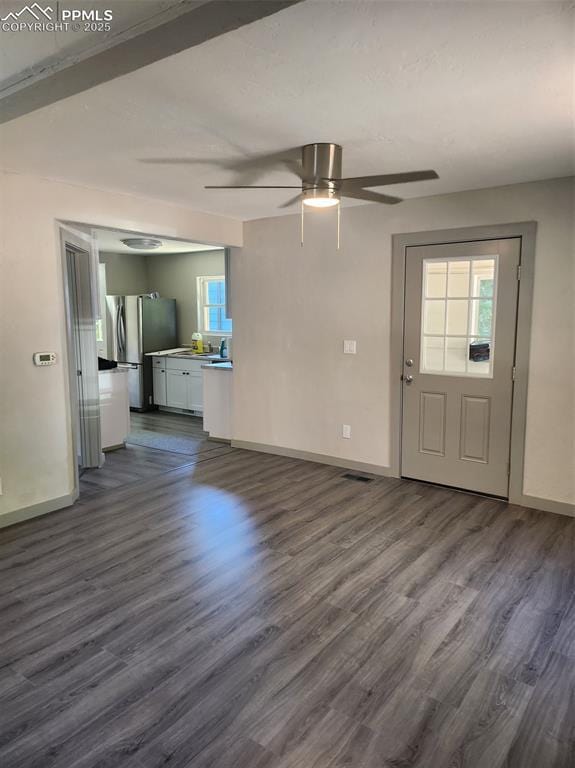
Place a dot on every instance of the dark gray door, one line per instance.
(459, 341)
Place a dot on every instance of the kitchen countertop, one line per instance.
(165, 352)
(224, 366)
(184, 353)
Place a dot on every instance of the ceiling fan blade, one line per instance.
(291, 201)
(388, 178)
(372, 197)
(251, 186)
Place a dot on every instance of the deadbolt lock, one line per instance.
(409, 362)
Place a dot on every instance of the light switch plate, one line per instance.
(349, 347)
(346, 431)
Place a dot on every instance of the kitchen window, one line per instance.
(212, 306)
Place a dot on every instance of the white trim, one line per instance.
(526, 230)
(546, 505)
(37, 510)
(318, 458)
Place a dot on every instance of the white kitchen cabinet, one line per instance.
(160, 386)
(176, 389)
(184, 383)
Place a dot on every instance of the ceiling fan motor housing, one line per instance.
(321, 163)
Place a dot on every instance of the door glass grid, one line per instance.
(458, 316)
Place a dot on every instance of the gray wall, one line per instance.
(174, 276)
(126, 273)
(306, 301)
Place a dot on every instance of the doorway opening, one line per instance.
(151, 298)
(460, 341)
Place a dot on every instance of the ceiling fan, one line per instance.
(321, 184)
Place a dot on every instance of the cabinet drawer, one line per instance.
(181, 364)
(158, 362)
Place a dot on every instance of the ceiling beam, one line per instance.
(201, 20)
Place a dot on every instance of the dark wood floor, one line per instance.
(137, 461)
(252, 611)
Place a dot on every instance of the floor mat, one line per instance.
(174, 443)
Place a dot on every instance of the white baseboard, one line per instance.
(545, 505)
(319, 458)
(532, 502)
(36, 510)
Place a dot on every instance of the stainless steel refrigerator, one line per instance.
(136, 325)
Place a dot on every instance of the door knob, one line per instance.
(408, 379)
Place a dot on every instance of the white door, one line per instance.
(459, 342)
(177, 389)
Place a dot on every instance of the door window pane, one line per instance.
(432, 353)
(455, 355)
(482, 317)
(435, 277)
(434, 320)
(483, 277)
(458, 282)
(458, 311)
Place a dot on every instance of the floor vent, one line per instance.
(358, 478)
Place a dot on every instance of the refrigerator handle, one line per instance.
(122, 328)
(117, 324)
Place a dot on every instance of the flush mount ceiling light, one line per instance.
(321, 183)
(142, 243)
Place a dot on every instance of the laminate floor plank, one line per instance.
(228, 609)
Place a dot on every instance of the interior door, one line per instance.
(459, 345)
(80, 316)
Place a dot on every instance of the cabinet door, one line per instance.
(160, 394)
(195, 392)
(177, 389)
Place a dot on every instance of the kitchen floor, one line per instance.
(158, 442)
(250, 610)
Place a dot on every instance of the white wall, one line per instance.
(174, 275)
(36, 462)
(299, 304)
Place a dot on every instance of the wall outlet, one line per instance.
(346, 431)
(349, 347)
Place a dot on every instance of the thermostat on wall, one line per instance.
(44, 358)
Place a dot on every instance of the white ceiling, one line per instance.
(482, 92)
(110, 241)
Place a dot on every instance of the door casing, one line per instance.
(527, 232)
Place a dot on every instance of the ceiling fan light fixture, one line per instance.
(142, 243)
(320, 198)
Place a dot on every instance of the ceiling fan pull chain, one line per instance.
(338, 224)
(302, 210)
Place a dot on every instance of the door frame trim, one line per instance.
(526, 231)
(81, 241)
